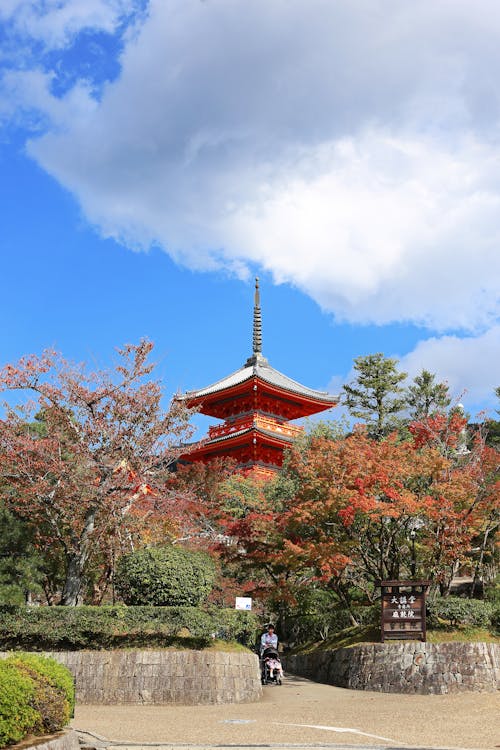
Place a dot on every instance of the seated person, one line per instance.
(274, 667)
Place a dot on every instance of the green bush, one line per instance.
(165, 576)
(495, 619)
(17, 713)
(235, 625)
(323, 624)
(73, 628)
(57, 675)
(492, 592)
(460, 611)
(36, 697)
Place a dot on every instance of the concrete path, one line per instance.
(302, 713)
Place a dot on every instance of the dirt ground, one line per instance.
(307, 713)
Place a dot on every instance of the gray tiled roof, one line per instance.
(259, 367)
(244, 431)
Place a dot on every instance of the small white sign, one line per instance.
(243, 602)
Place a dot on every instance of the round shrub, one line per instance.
(18, 716)
(59, 678)
(165, 576)
(50, 694)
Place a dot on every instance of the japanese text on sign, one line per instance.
(404, 606)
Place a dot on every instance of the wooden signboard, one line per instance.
(403, 609)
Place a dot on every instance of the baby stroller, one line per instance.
(271, 669)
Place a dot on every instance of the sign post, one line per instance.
(243, 602)
(403, 609)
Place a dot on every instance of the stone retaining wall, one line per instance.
(186, 677)
(410, 667)
(67, 740)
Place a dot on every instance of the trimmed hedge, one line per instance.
(442, 613)
(460, 611)
(166, 576)
(74, 628)
(36, 697)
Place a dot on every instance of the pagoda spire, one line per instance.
(257, 321)
(257, 330)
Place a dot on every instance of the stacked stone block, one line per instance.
(410, 667)
(185, 677)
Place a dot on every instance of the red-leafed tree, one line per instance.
(200, 518)
(89, 478)
(360, 509)
(356, 505)
(462, 521)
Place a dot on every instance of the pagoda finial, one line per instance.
(256, 358)
(257, 320)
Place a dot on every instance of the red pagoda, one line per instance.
(256, 403)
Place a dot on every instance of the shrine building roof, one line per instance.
(262, 370)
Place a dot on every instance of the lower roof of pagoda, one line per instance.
(250, 386)
(241, 437)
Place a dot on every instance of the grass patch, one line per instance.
(462, 634)
(229, 646)
(343, 639)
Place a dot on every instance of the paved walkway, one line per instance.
(303, 713)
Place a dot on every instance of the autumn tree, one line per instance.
(425, 396)
(359, 509)
(461, 524)
(375, 395)
(357, 503)
(86, 480)
(258, 553)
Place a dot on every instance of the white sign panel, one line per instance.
(243, 602)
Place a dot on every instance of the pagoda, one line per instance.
(257, 404)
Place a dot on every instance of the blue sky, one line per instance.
(156, 156)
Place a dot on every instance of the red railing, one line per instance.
(256, 420)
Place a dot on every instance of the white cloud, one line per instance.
(349, 148)
(30, 91)
(384, 229)
(56, 22)
(470, 366)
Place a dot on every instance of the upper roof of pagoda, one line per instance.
(258, 375)
(262, 370)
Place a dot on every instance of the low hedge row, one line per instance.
(37, 697)
(456, 611)
(442, 613)
(73, 628)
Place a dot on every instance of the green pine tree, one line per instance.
(426, 396)
(376, 394)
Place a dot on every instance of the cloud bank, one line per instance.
(467, 364)
(349, 148)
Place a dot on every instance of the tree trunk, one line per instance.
(73, 582)
(75, 562)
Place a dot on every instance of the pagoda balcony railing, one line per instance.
(256, 421)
